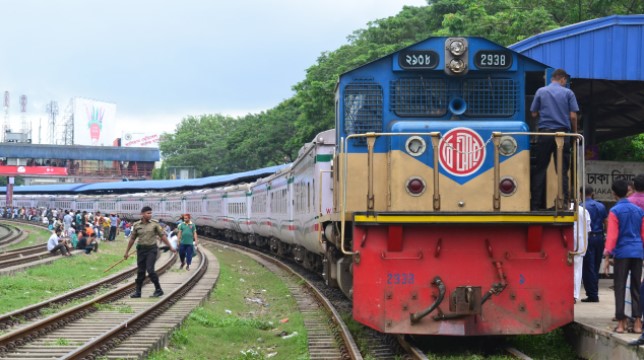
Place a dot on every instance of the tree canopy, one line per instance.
(218, 144)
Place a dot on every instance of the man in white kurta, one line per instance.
(580, 233)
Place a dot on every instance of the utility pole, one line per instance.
(52, 110)
(5, 124)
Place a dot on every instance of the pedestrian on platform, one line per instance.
(624, 241)
(637, 197)
(146, 231)
(596, 240)
(581, 228)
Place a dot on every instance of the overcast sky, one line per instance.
(160, 61)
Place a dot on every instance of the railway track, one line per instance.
(329, 336)
(24, 256)
(11, 235)
(107, 326)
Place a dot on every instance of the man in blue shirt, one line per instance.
(593, 258)
(556, 108)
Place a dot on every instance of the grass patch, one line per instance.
(35, 235)
(63, 275)
(552, 345)
(242, 318)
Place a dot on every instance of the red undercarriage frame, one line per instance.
(462, 279)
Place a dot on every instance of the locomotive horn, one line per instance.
(457, 106)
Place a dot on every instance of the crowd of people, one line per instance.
(615, 236)
(84, 230)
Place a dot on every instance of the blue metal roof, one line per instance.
(129, 186)
(609, 48)
(78, 152)
(44, 189)
(136, 186)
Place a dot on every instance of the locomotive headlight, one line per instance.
(457, 66)
(457, 47)
(415, 186)
(507, 145)
(415, 146)
(507, 186)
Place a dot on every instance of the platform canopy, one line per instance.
(78, 152)
(605, 58)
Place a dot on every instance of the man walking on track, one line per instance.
(188, 238)
(146, 231)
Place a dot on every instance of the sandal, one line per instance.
(618, 331)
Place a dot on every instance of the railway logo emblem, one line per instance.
(461, 152)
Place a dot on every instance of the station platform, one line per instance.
(592, 333)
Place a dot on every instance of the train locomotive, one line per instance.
(417, 206)
(433, 188)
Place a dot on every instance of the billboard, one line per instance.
(94, 122)
(150, 140)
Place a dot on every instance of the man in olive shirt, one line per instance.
(147, 232)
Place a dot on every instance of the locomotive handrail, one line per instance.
(559, 136)
(580, 145)
(435, 136)
(371, 136)
(320, 214)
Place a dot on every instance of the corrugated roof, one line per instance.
(44, 189)
(609, 48)
(129, 186)
(78, 152)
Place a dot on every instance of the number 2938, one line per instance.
(400, 278)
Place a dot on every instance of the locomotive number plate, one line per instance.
(400, 278)
(418, 59)
(493, 59)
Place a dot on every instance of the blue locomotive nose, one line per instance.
(457, 106)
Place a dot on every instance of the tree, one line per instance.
(198, 141)
(217, 144)
(18, 180)
(160, 173)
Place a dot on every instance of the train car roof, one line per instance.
(149, 185)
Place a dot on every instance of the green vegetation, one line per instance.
(552, 345)
(274, 136)
(248, 313)
(630, 148)
(62, 342)
(65, 274)
(36, 235)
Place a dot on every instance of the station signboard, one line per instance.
(150, 140)
(601, 174)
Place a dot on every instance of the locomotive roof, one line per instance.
(419, 45)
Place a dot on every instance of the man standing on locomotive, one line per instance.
(146, 231)
(593, 258)
(556, 108)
